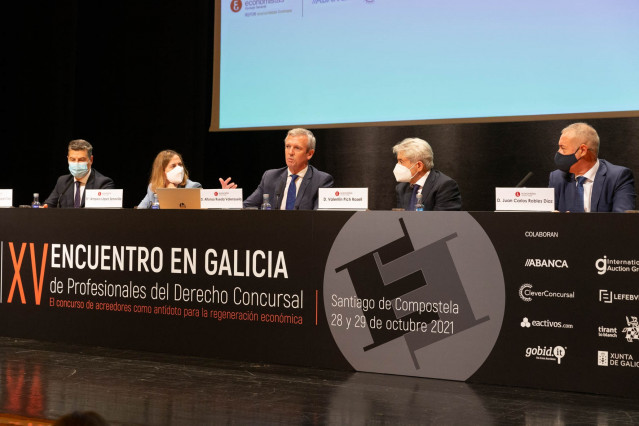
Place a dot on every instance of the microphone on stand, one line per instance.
(63, 192)
(278, 194)
(524, 180)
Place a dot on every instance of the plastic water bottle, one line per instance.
(266, 204)
(36, 201)
(419, 204)
(155, 204)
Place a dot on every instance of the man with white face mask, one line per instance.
(69, 189)
(415, 174)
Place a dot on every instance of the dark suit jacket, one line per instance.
(63, 191)
(274, 180)
(440, 192)
(612, 191)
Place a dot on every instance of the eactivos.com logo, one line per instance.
(430, 291)
(527, 294)
(236, 5)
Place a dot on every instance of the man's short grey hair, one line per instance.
(303, 132)
(81, 145)
(586, 133)
(416, 149)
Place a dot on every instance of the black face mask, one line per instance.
(565, 162)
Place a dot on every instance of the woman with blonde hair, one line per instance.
(168, 171)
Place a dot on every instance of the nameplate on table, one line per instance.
(525, 199)
(343, 198)
(103, 198)
(222, 198)
(6, 197)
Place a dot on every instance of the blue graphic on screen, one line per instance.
(306, 62)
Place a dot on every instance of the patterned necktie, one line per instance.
(290, 194)
(578, 206)
(77, 201)
(413, 198)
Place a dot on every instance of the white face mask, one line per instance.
(402, 173)
(175, 175)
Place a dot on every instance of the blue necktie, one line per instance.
(413, 198)
(290, 194)
(578, 206)
(77, 201)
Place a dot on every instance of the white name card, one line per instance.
(103, 198)
(525, 199)
(6, 197)
(343, 198)
(222, 198)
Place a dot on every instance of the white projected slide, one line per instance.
(321, 62)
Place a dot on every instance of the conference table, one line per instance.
(542, 300)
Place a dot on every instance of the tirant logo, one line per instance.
(604, 265)
(547, 353)
(610, 332)
(608, 296)
(546, 263)
(526, 293)
(236, 5)
(632, 331)
(526, 323)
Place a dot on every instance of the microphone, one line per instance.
(63, 192)
(524, 180)
(278, 194)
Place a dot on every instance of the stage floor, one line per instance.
(42, 381)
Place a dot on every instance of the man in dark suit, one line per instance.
(585, 183)
(415, 174)
(295, 186)
(69, 189)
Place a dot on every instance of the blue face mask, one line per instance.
(78, 170)
(565, 162)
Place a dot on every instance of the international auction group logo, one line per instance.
(236, 5)
(604, 265)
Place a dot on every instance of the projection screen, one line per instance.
(324, 63)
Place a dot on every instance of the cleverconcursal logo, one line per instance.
(526, 293)
(236, 5)
(546, 263)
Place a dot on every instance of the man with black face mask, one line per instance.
(585, 183)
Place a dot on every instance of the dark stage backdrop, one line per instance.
(134, 77)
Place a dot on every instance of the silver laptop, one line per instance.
(179, 198)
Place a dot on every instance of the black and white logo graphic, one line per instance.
(402, 298)
(632, 331)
